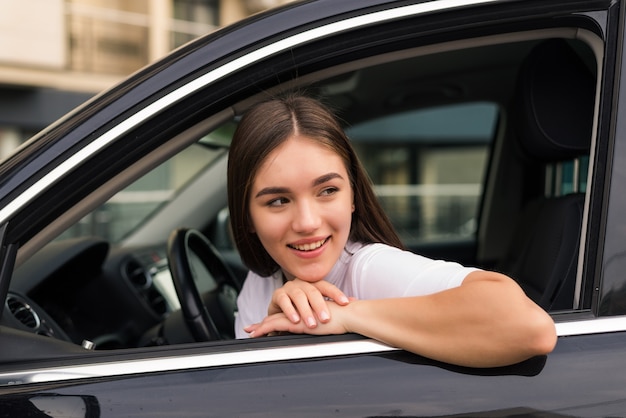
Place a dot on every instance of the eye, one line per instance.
(329, 191)
(279, 201)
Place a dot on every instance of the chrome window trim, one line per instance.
(591, 326)
(248, 356)
(196, 361)
(154, 108)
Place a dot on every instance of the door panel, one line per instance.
(584, 377)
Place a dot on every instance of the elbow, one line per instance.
(542, 338)
(536, 325)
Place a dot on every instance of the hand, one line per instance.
(278, 323)
(298, 300)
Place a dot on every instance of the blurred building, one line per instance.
(56, 54)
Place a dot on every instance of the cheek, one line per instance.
(341, 215)
(267, 228)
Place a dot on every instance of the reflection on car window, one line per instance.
(428, 167)
(130, 207)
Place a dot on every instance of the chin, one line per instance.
(311, 277)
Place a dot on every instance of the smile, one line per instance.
(310, 246)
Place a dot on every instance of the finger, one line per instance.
(316, 294)
(273, 324)
(317, 304)
(332, 292)
(282, 302)
(277, 323)
(304, 301)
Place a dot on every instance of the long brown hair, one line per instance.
(263, 128)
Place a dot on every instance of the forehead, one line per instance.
(299, 156)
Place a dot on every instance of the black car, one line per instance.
(491, 131)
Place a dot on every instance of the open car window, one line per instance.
(435, 165)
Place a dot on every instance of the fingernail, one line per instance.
(251, 334)
(295, 318)
(344, 299)
(324, 316)
(311, 322)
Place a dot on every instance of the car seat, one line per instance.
(553, 113)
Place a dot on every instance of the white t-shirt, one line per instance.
(373, 271)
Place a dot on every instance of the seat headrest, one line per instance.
(555, 102)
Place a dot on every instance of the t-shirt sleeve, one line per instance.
(252, 302)
(244, 311)
(380, 271)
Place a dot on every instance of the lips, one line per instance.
(310, 246)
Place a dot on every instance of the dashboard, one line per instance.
(83, 291)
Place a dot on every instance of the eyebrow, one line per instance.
(282, 190)
(325, 178)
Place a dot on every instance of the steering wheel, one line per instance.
(206, 288)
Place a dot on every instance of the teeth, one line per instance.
(310, 246)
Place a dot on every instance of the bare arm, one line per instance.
(485, 322)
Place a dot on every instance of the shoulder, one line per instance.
(380, 269)
(378, 250)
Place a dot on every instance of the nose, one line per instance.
(306, 217)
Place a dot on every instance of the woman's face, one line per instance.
(301, 207)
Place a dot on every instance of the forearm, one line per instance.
(487, 321)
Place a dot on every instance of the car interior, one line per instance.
(480, 150)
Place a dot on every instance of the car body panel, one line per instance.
(360, 386)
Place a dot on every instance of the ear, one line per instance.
(353, 208)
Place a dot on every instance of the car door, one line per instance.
(441, 53)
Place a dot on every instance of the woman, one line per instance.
(324, 258)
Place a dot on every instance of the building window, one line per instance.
(119, 37)
(192, 18)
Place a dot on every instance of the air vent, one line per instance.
(23, 312)
(136, 274)
(142, 281)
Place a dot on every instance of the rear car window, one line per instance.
(428, 167)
